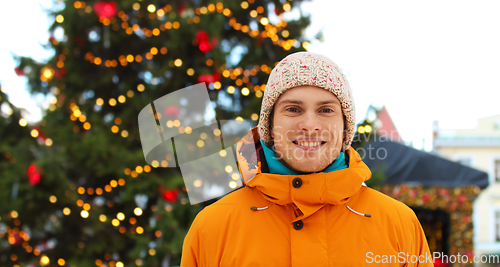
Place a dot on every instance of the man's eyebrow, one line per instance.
(328, 102)
(290, 101)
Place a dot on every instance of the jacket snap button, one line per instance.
(297, 182)
(298, 225)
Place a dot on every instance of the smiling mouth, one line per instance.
(309, 143)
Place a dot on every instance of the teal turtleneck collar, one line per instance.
(276, 167)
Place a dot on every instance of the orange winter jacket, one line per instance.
(319, 219)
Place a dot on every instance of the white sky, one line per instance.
(24, 28)
(424, 60)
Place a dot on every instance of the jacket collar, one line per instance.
(317, 189)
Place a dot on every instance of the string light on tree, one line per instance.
(44, 260)
(59, 18)
(84, 214)
(138, 211)
(46, 74)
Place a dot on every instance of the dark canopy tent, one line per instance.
(403, 164)
(445, 184)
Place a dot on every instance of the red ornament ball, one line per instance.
(181, 8)
(171, 195)
(201, 36)
(19, 72)
(206, 78)
(105, 9)
(33, 175)
(205, 46)
(439, 263)
(172, 111)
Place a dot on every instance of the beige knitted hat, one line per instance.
(304, 68)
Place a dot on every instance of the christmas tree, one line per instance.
(75, 187)
(365, 134)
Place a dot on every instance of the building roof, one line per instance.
(403, 164)
(386, 126)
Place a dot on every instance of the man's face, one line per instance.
(307, 128)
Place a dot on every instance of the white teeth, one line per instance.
(309, 144)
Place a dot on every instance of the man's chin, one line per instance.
(307, 168)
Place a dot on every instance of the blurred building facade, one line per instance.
(480, 149)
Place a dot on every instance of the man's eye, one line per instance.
(327, 110)
(292, 109)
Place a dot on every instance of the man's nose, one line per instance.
(310, 122)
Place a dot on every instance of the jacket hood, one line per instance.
(317, 190)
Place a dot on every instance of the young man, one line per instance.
(304, 203)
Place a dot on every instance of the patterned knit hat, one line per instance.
(304, 68)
